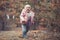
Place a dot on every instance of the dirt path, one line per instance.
(32, 35)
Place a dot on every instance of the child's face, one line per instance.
(28, 9)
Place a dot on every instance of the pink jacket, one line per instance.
(24, 15)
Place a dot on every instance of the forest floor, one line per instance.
(32, 35)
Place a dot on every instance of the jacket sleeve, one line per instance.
(22, 18)
(32, 17)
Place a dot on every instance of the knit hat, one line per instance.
(27, 6)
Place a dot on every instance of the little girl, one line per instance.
(26, 18)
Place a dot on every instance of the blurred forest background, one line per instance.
(47, 14)
(47, 19)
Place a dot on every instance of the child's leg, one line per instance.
(24, 30)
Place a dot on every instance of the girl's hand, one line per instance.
(24, 21)
(32, 22)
